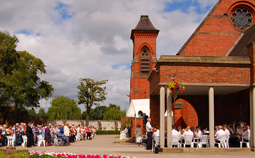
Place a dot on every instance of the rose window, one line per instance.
(242, 18)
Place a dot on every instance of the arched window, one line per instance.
(145, 63)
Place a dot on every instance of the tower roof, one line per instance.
(144, 24)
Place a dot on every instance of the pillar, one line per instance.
(211, 117)
(252, 117)
(169, 118)
(162, 117)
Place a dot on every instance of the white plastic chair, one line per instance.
(176, 141)
(203, 140)
(188, 141)
(24, 137)
(222, 142)
(247, 143)
(40, 140)
(10, 140)
(155, 143)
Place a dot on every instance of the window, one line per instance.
(145, 63)
(242, 18)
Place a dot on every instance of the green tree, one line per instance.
(8, 58)
(64, 108)
(98, 112)
(20, 83)
(42, 113)
(114, 113)
(32, 113)
(90, 93)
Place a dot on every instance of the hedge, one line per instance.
(107, 132)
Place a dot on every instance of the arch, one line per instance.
(145, 45)
(186, 116)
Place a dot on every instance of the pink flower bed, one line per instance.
(72, 155)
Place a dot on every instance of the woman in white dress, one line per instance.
(138, 134)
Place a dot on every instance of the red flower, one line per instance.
(174, 90)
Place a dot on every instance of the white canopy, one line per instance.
(137, 105)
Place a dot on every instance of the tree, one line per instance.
(19, 81)
(95, 114)
(114, 113)
(31, 112)
(42, 113)
(64, 108)
(8, 58)
(90, 93)
(98, 112)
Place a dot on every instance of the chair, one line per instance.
(227, 142)
(40, 140)
(10, 140)
(155, 143)
(24, 137)
(176, 141)
(58, 141)
(188, 141)
(202, 141)
(247, 143)
(222, 142)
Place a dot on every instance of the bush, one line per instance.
(107, 132)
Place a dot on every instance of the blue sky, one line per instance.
(185, 6)
(91, 38)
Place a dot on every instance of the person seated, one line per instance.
(188, 132)
(198, 133)
(156, 135)
(225, 128)
(175, 132)
(219, 134)
(61, 136)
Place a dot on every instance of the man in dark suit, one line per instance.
(29, 134)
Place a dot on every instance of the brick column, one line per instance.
(169, 118)
(162, 117)
(211, 117)
(251, 54)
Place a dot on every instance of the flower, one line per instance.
(176, 87)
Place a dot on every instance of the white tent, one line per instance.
(137, 105)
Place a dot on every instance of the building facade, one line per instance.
(216, 65)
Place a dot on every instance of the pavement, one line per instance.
(107, 144)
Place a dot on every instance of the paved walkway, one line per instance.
(106, 144)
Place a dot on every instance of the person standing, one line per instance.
(29, 134)
(66, 131)
(149, 129)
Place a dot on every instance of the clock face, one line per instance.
(242, 18)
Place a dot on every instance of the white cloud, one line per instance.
(95, 38)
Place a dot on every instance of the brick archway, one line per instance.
(186, 116)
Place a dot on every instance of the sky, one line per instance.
(91, 38)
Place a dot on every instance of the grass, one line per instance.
(16, 154)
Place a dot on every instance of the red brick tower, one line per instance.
(144, 57)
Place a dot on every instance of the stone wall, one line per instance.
(98, 124)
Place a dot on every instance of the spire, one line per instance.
(144, 24)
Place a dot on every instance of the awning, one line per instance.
(137, 105)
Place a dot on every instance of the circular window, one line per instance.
(242, 18)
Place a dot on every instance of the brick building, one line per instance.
(216, 65)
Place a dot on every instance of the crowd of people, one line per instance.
(68, 133)
(234, 132)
